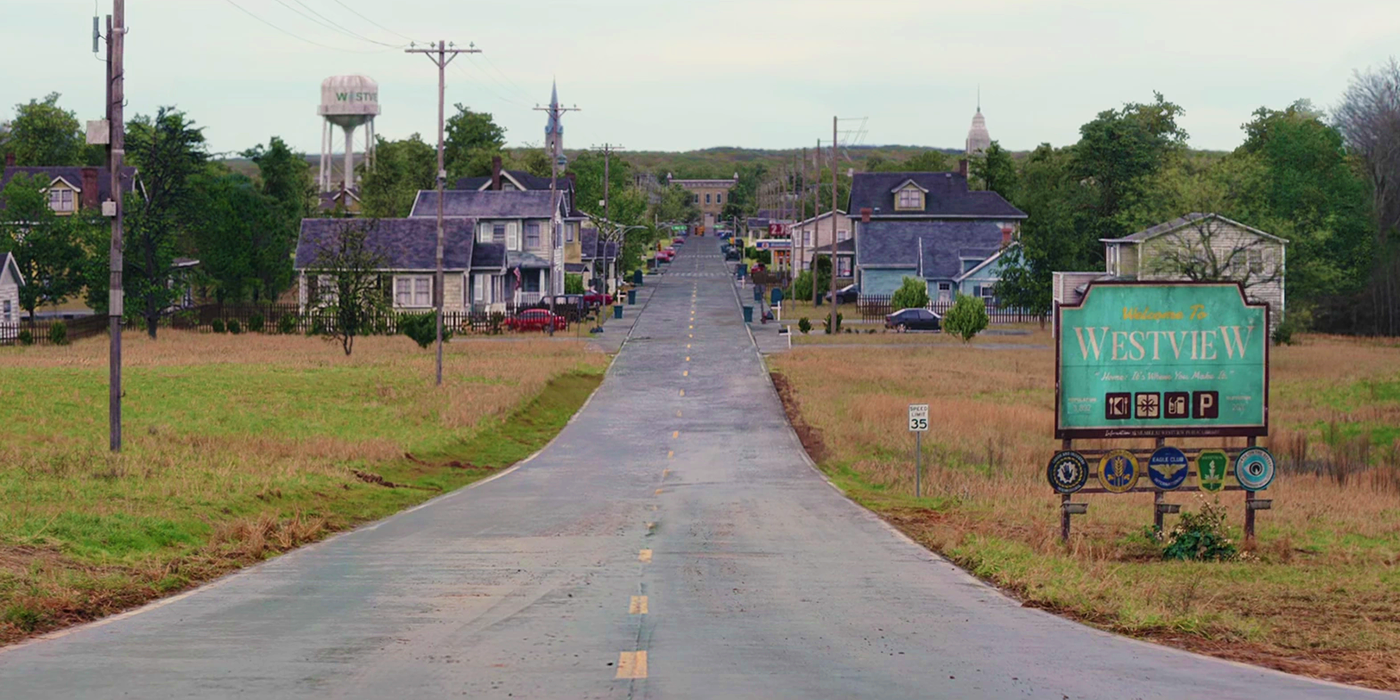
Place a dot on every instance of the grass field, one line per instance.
(1320, 592)
(241, 447)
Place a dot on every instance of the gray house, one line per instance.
(10, 282)
(932, 227)
(523, 223)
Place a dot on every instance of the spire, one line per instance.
(977, 137)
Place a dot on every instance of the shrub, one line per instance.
(235, 327)
(765, 257)
(573, 283)
(494, 322)
(422, 328)
(286, 324)
(1283, 333)
(826, 323)
(1200, 536)
(255, 323)
(26, 337)
(912, 294)
(58, 333)
(967, 318)
(802, 285)
(803, 324)
(217, 325)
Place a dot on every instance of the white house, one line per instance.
(10, 282)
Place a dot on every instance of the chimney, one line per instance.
(962, 167)
(1006, 234)
(495, 172)
(90, 189)
(10, 159)
(865, 215)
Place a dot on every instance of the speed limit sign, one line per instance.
(918, 417)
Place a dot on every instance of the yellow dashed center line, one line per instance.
(632, 664)
(682, 392)
(658, 492)
(687, 358)
(685, 373)
(671, 454)
(675, 434)
(644, 555)
(638, 606)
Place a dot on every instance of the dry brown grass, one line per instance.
(988, 506)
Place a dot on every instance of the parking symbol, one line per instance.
(1205, 405)
(1149, 406)
(1118, 406)
(1178, 404)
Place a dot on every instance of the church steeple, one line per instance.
(977, 137)
(554, 127)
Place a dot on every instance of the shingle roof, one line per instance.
(895, 243)
(407, 244)
(73, 175)
(487, 204)
(487, 257)
(1182, 222)
(842, 247)
(532, 183)
(948, 197)
(588, 243)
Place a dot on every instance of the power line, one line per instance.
(357, 14)
(291, 34)
(344, 30)
(518, 89)
(483, 86)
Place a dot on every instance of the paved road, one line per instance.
(676, 516)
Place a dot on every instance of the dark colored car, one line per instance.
(733, 254)
(848, 294)
(536, 320)
(913, 320)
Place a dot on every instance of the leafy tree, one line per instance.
(284, 178)
(967, 318)
(994, 170)
(48, 249)
(350, 265)
(401, 169)
(930, 161)
(588, 169)
(912, 294)
(573, 283)
(677, 205)
(802, 285)
(1059, 207)
(169, 151)
(1369, 117)
(743, 196)
(422, 328)
(235, 217)
(1118, 152)
(534, 161)
(472, 140)
(43, 133)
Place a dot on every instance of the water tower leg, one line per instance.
(349, 157)
(324, 179)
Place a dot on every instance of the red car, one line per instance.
(665, 255)
(536, 320)
(598, 298)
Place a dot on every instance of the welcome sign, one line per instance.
(1163, 359)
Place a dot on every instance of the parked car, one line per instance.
(848, 294)
(733, 254)
(536, 320)
(596, 298)
(913, 320)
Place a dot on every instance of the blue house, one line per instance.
(930, 226)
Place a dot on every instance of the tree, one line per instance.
(472, 140)
(48, 248)
(994, 170)
(1054, 237)
(43, 133)
(573, 283)
(802, 285)
(1369, 117)
(677, 205)
(930, 161)
(347, 271)
(169, 152)
(534, 161)
(967, 318)
(1118, 151)
(912, 294)
(284, 179)
(1208, 250)
(588, 170)
(235, 216)
(401, 169)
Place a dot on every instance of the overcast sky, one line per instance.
(686, 74)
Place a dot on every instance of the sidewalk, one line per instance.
(765, 335)
(616, 330)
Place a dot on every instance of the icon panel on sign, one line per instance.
(1205, 405)
(1178, 404)
(1118, 406)
(1148, 406)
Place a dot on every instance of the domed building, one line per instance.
(977, 137)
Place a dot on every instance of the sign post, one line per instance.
(918, 424)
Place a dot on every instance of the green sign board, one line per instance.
(1173, 359)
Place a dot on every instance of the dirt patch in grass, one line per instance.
(1323, 577)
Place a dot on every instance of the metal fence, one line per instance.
(874, 307)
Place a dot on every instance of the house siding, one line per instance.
(985, 277)
(1223, 240)
(9, 292)
(883, 281)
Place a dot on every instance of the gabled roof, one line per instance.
(1179, 223)
(407, 244)
(519, 178)
(993, 257)
(591, 248)
(71, 175)
(489, 257)
(7, 262)
(946, 197)
(846, 247)
(818, 217)
(897, 244)
(486, 204)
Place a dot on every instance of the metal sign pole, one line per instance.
(918, 463)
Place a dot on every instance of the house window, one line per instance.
(498, 233)
(413, 291)
(569, 233)
(8, 311)
(719, 198)
(1256, 262)
(532, 235)
(707, 198)
(843, 267)
(480, 286)
(806, 238)
(513, 237)
(326, 291)
(61, 199)
(842, 234)
(910, 198)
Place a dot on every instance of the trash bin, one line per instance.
(757, 293)
(631, 297)
(637, 277)
(777, 296)
(748, 314)
(739, 271)
(617, 311)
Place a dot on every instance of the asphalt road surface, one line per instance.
(673, 542)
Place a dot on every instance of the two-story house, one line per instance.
(72, 189)
(501, 180)
(932, 227)
(523, 222)
(599, 258)
(812, 238)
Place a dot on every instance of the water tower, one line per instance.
(348, 102)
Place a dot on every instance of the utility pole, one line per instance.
(802, 205)
(834, 301)
(816, 207)
(440, 56)
(607, 150)
(116, 149)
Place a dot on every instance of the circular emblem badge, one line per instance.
(1254, 468)
(1118, 471)
(1068, 472)
(1167, 468)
